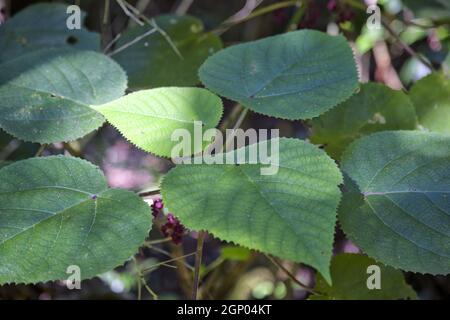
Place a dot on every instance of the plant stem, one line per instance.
(163, 263)
(105, 25)
(238, 123)
(41, 150)
(149, 193)
(183, 7)
(270, 8)
(259, 12)
(359, 6)
(295, 20)
(198, 263)
(134, 41)
(405, 46)
(290, 275)
(129, 13)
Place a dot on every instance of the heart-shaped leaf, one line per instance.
(351, 273)
(153, 62)
(431, 97)
(148, 118)
(41, 26)
(375, 108)
(290, 214)
(58, 212)
(397, 209)
(296, 75)
(45, 95)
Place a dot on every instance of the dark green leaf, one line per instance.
(57, 212)
(397, 204)
(297, 75)
(375, 108)
(349, 273)
(41, 26)
(152, 62)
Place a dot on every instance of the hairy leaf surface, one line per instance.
(41, 26)
(290, 214)
(297, 75)
(397, 208)
(375, 108)
(148, 118)
(57, 212)
(45, 95)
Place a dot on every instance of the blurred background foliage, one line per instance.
(416, 39)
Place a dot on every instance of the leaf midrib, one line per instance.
(149, 115)
(57, 95)
(55, 214)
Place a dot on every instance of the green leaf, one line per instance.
(397, 208)
(45, 95)
(41, 26)
(235, 253)
(153, 62)
(290, 214)
(57, 212)
(374, 108)
(296, 75)
(431, 97)
(349, 273)
(148, 118)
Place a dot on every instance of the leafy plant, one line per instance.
(377, 162)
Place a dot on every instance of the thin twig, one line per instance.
(153, 294)
(394, 34)
(153, 23)
(297, 16)
(259, 12)
(290, 275)
(168, 254)
(41, 150)
(167, 261)
(129, 13)
(105, 27)
(405, 46)
(150, 193)
(141, 279)
(158, 241)
(198, 263)
(238, 123)
(111, 43)
(135, 40)
(183, 7)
